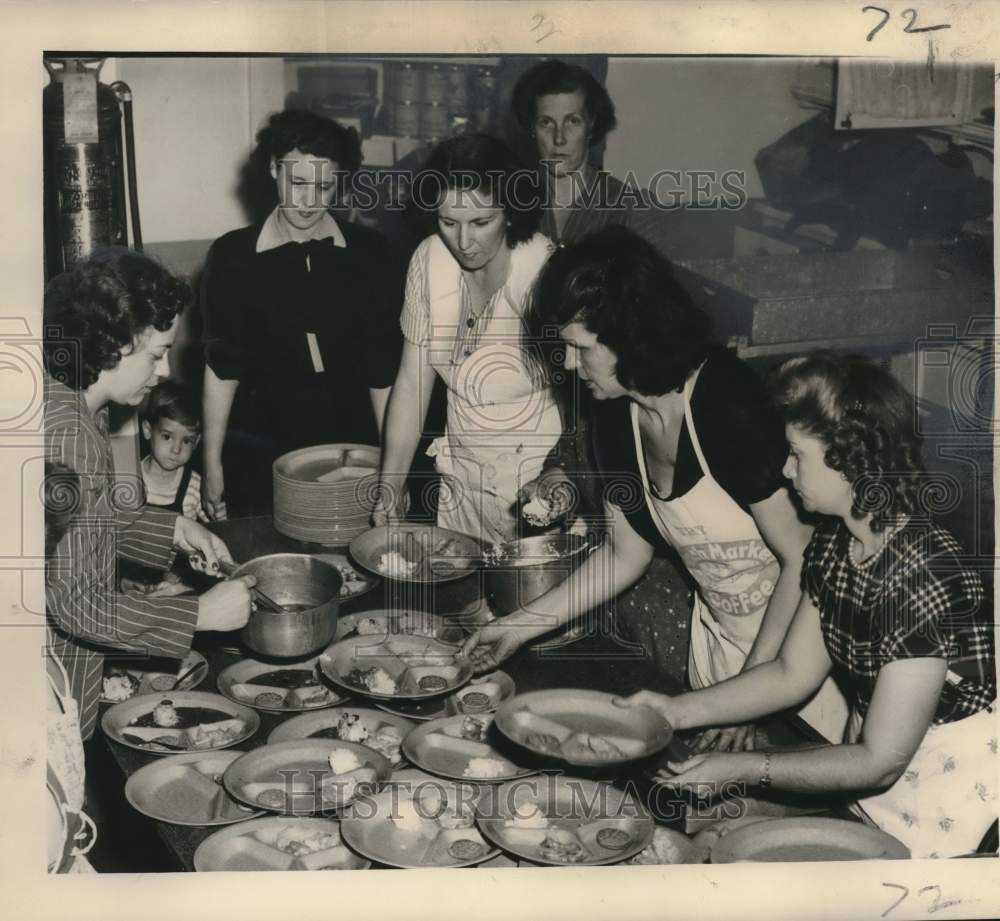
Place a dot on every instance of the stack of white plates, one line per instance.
(325, 493)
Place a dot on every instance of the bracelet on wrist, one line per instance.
(765, 775)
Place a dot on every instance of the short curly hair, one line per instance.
(103, 305)
(624, 292)
(300, 129)
(553, 76)
(478, 162)
(865, 419)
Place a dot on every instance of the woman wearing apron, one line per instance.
(466, 292)
(692, 456)
(891, 606)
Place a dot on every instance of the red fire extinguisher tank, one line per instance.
(84, 188)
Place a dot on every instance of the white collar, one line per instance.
(274, 233)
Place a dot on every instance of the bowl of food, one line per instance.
(519, 571)
(308, 591)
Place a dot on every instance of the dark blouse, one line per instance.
(306, 343)
(740, 432)
(916, 598)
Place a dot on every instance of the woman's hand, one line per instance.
(551, 497)
(726, 739)
(711, 775)
(213, 490)
(204, 549)
(663, 704)
(391, 506)
(496, 642)
(226, 606)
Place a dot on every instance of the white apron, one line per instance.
(946, 799)
(736, 573)
(75, 833)
(502, 420)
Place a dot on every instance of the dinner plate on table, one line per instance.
(278, 687)
(417, 553)
(296, 777)
(383, 623)
(278, 843)
(355, 583)
(187, 790)
(455, 747)
(582, 727)
(481, 695)
(807, 838)
(152, 676)
(418, 824)
(401, 667)
(207, 722)
(564, 821)
(371, 728)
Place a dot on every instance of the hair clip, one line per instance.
(857, 406)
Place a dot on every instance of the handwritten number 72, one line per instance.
(909, 14)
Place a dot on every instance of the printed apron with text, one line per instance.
(736, 575)
(502, 421)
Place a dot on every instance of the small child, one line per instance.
(172, 426)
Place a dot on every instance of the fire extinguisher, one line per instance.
(84, 174)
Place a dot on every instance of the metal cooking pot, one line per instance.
(309, 588)
(519, 571)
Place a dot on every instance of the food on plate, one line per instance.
(165, 715)
(562, 845)
(352, 581)
(162, 682)
(475, 702)
(485, 768)
(407, 817)
(310, 696)
(433, 800)
(598, 746)
(537, 512)
(343, 787)
(343, 760)
(299, 841)
(614, 839)
(387, 741)
(272, 798)
(350, 728)
(449, 547)
(368, 626)
(216, 735)
(542, 741)
(119, 686)
(456, 816)
(270, 699)
(474, 729)
(666, 847)
(527, 817)
(433, 683)
(168, 741)
(395, 565)
(467, 849)
(374, 679)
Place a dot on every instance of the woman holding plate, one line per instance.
(466, 294)
(890, 605)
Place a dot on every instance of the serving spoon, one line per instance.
(199, 668)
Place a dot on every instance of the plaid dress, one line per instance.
(918, 597)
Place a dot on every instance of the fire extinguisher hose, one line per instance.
(124, 94)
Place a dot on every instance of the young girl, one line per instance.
(891, 605)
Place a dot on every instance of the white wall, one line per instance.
(698, 114)
(195, 119)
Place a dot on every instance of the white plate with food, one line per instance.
(481, 695)
(278, 843)
(417, 553)
(187, 790)
(278, 687)
(380, 731)
(456, 747)
(128, 678)
(582, 727)
(422, 824)
(355, 583)
(564, 821)
(305, 776)
(383, 624)
(670, 847)
(180, 721)
(807, 838)
(396, 667)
